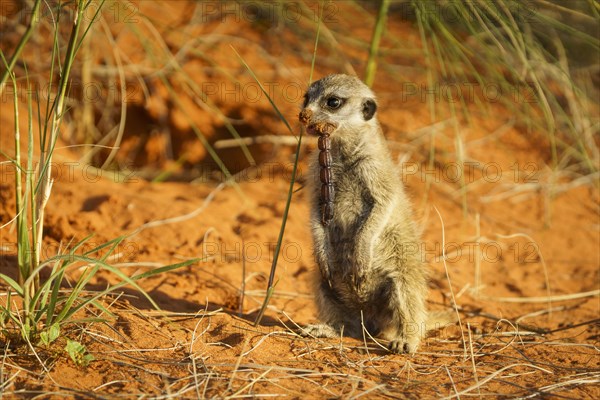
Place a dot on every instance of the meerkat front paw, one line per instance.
(320, 331)
(361, 267)
(322, 258)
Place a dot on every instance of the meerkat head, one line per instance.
(338, 101)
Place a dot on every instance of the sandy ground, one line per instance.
(521, 250)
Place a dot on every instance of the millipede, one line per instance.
(325, 175)
(323, 130)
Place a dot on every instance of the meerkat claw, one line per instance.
(326, 275)
(400, 346)
(358, 280)
(358, 276)
(397, 347)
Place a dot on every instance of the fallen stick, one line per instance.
(269, 139)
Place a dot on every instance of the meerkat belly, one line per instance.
(352, 203)
(352, 206)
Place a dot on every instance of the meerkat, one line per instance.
(361, 220)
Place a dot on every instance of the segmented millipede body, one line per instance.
(323, 130)
(325, 175)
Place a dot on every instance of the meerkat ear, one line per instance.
(368, 109)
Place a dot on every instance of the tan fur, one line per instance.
(370, 270)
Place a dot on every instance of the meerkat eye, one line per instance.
(334, 102)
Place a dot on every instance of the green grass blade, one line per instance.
(314, 57)
(262, 88)
(13, 284)
(374, 48)
(21, 45)
(54, 295)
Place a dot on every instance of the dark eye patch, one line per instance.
(368, 109)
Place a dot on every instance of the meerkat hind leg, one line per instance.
(331, 314)
(406, 324)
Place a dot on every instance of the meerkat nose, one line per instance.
(305, 116)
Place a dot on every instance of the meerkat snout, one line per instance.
(305, 116)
